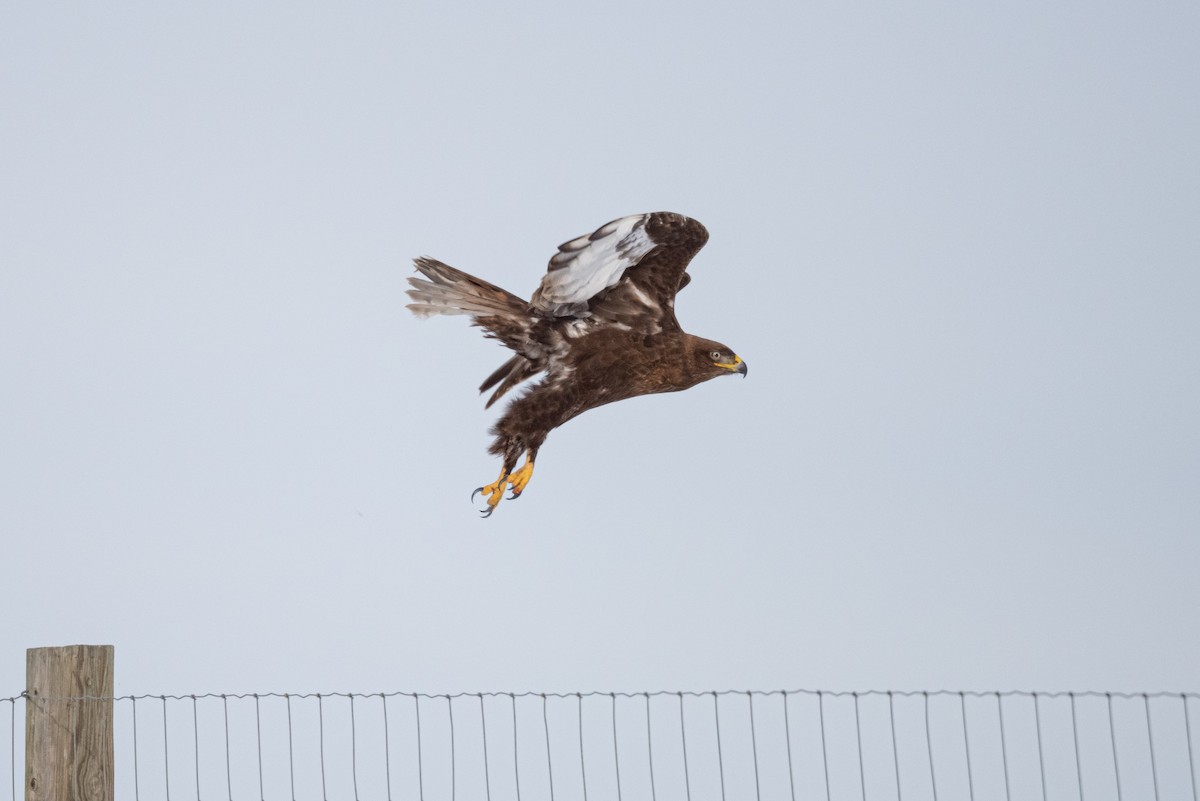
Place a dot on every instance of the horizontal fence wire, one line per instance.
(658, 746)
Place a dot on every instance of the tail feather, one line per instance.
(445, 290)
(503, 315)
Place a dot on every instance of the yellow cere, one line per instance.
(730, 366)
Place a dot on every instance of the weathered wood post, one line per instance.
(69, 723)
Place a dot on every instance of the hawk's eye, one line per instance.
(716, 355)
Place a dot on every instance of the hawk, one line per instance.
(601, 326)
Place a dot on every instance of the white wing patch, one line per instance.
(586, 266)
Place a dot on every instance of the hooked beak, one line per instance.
(736, 366)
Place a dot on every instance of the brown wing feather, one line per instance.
(644, 298)
(513, 372)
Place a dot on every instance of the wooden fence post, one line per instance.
(69, 736)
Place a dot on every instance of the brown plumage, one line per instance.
(601, 326)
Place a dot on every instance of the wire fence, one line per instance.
(659, 746)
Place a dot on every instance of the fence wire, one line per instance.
(660, 746)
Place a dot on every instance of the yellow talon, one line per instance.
(517, 480)
(494, 493)
(520, 479)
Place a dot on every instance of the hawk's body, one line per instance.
(601, 326)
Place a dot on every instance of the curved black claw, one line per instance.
(485, 513)
(476, 492)
(514, 496)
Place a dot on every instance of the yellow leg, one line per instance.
(520, 479)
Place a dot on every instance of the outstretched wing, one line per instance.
(627, 272)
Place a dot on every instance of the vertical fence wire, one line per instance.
(895, 747)
(136, 792)
(1187, 727)
(582, 763)
(321, 740)
(720, 756)
(228, 774)
(687, 780)
(12, 741)
(353, 749)
(929, 750)
(517, 762)
(616, 748)
(1150, 742)
(166, 753)
(824, 745)
(487, 778)
(1037, 719)
(962, 702)
(1112, 737)
(291, 753)
(196, 743)
(453, 759)
(258, 745)
(787, 733)
(387, 750)
(1075, 737)
(649, 754)
(754, 747)
(549, 764)
(862, 774)
(420, 761)
(1003, 746)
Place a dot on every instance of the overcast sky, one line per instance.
(958, 245)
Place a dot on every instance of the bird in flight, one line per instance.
(601, 326)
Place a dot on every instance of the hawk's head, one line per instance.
(711, 359)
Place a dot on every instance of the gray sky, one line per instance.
(957, 245)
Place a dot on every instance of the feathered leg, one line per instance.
(523, 429)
